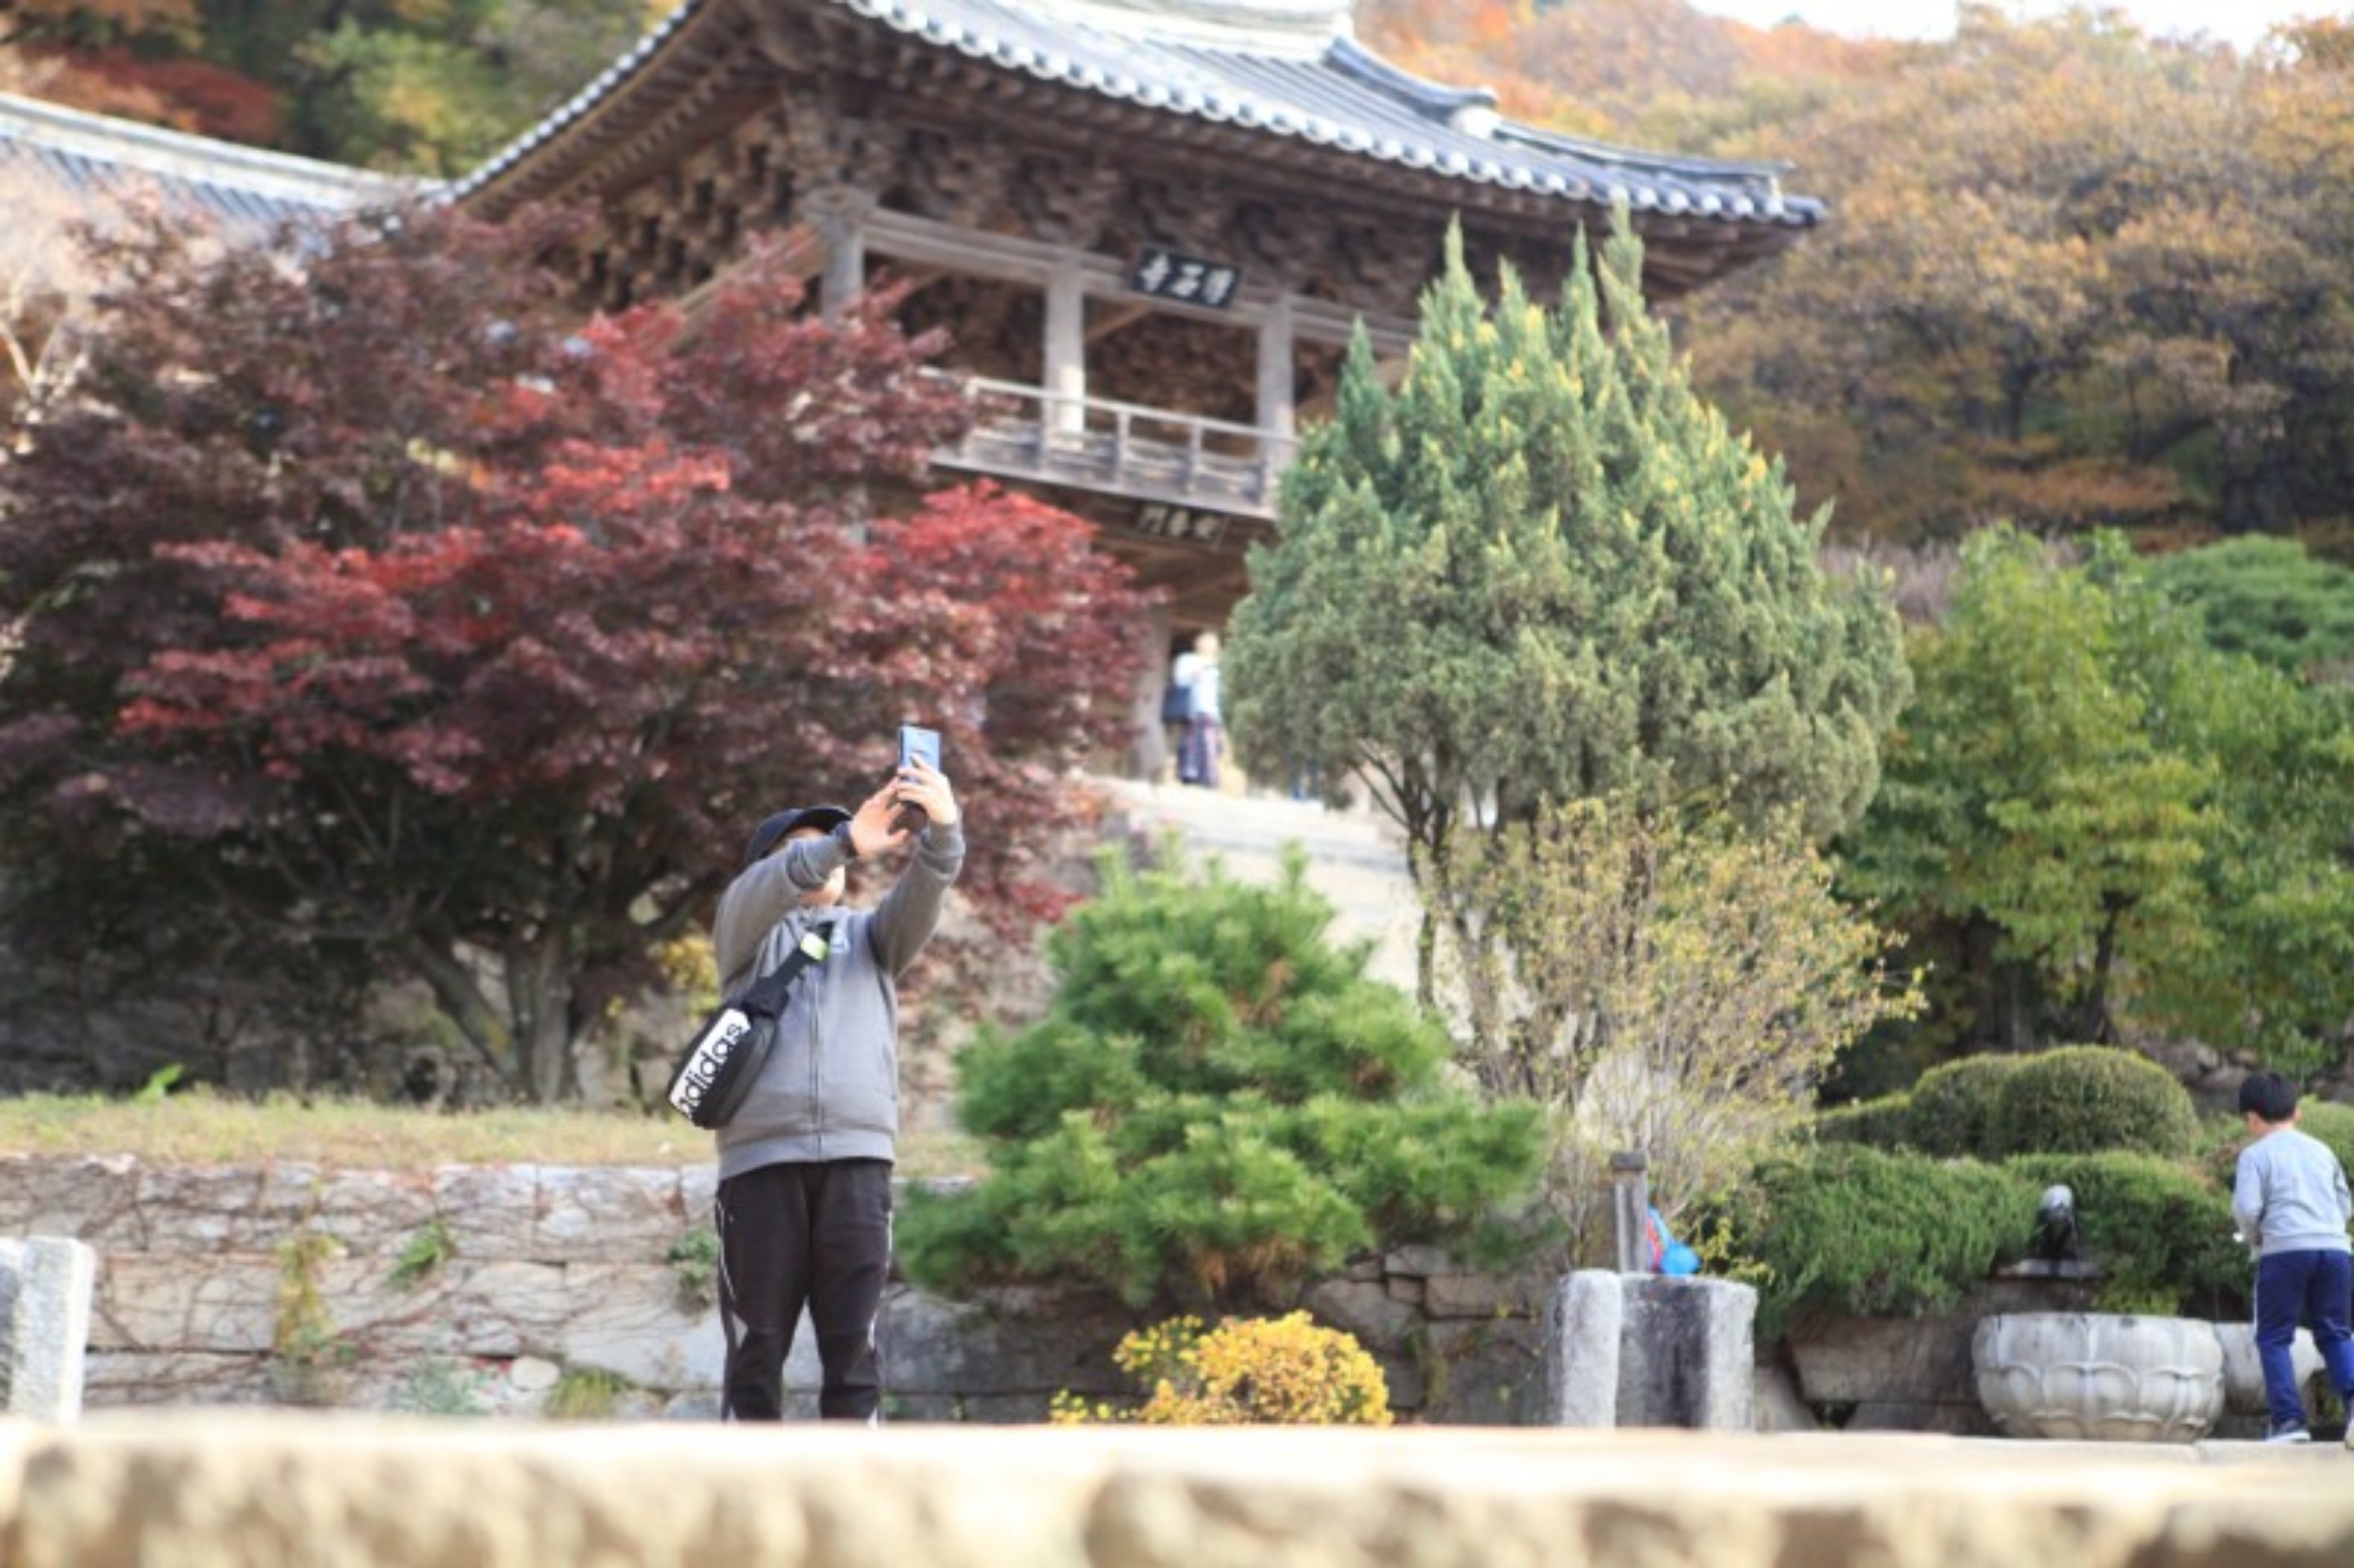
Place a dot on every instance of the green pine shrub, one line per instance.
(1844, 1230)
(1219, 1105)
(1954, 1106)
(2083, 1099)
(2159, 1231)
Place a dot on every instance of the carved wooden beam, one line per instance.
(958, 178)
(1109, 320)
(1067, 199)
(1012, 258)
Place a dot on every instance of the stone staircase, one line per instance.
(1356, 858)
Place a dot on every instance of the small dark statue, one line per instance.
(2055, 1225)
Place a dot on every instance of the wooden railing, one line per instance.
(1123, 449)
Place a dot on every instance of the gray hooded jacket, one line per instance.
(830, 1090)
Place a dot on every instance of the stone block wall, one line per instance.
(1915, 1374)
(287, 1282)
(501, 1290)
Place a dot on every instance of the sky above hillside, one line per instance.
(2239, 22)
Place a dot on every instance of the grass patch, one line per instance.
(588, 1393)
(439, 1386)
(695, 1255)
(203, 1128)
(422, 1258)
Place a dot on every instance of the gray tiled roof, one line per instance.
(1335, 94)
(91, 157)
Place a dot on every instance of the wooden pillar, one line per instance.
(839, 216)
(1154, 755)
(1066, 352)
(1277, 420)
(1630, 1193)
(1277, 372)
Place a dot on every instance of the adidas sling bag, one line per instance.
(710, 1082)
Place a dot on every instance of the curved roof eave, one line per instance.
(249, 187)
(1344, 98)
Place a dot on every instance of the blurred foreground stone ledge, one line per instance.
(197, 1490)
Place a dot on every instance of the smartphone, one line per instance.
(916, 744)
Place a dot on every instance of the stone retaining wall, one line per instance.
(500, 1289)
(1911, 1375)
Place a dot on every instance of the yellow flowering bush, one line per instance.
(1247, 1372)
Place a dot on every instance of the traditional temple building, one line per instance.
(64, 165)
(1148, 225)
(60, 169)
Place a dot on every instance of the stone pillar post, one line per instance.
(1688, 1357)
(1154, 758)
(1583, 1320)
(45, 1294)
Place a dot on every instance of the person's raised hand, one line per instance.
(874, 826)
(926, 788)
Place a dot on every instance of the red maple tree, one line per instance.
(371, 604)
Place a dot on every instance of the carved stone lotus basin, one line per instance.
(2092, 1375)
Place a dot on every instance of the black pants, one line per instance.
(814, 1234)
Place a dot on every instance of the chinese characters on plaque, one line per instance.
(1167, 522)
(1166, 274)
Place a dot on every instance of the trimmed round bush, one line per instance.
(2084, 1100)
(1954, 1106)
(1882, 1123)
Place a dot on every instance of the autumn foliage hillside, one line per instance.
(2075, 277)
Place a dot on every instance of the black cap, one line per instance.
(771, 832)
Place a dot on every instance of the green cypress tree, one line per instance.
(1543, 569)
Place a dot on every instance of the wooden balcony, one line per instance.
(1026, 433)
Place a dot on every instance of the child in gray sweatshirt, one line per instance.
(2291, 1199)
